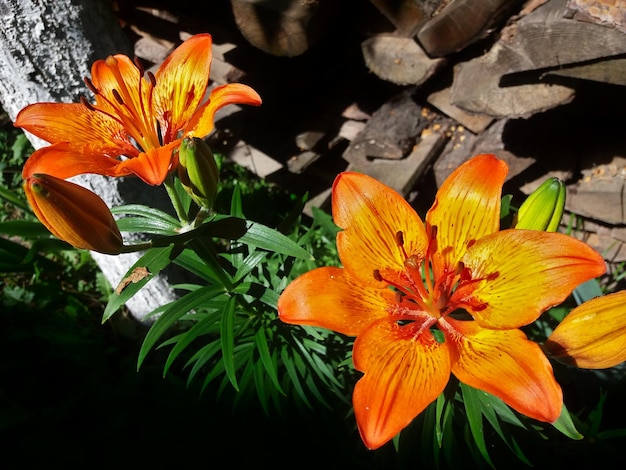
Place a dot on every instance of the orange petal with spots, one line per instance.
(83, 130)
(466, 208)
(523, 272)
(506, 364)
(404, 371)
(372, 215)
(152, 166)
(329, 298)
(182, 80)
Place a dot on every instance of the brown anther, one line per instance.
(460, 266)
(492, 276)
(152, 78)
(399, 296)
(400, 238)
(139, 65)
(87, 104)
(377, 275)
(117, 96)
(89, 84)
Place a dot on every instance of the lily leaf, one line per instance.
(565, 424)
(153, 261)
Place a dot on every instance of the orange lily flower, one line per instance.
(448, 296)
(593, 335)
(73, 214)
(138, 119)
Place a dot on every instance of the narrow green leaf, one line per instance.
(201, 358)
(260, 340)
(14, 199)
(154, 261)
(267, 238)
(288, 362)
(172, 313)
(471, 400)
(249, 263)
(236, 206)
(146, 212)
(208, 324)
(143, 225)
(227, 341)
(565, 425)
(256, 291)
(199, 260)
(25, 229)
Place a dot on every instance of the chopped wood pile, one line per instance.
(405, 90)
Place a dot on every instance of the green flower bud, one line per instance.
(197, 171)
(543, 209)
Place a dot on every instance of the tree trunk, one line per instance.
(46, 48)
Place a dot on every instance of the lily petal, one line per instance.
(593, 335)
(62, 161)
(85, 131)
(518, 274)
(372, 215)
(181, 82)
(466, 208)
(506, 364)
(404, 370)
(203, 121)
(329, 298)
(151, 166)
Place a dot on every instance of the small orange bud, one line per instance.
(73, 213)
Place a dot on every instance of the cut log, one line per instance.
(406, 15)
(398, 59)
(461, 23)
(538, 43)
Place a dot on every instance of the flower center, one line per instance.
(130, 107)
(422, 295)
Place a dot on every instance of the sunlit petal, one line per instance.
(152, 167)
(372, 215)
(507, 365)
(182, 80)
(593, 335)
(203, 123)
(466, 208)
(328, 298)
(83, 130)
(404, 372)
(523, 272)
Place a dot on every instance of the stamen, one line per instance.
(139, 65)
(460, 266)
(399, 297)
(117, 97)
(377, 275)
(87, 104)
(152, 78)
(400, 242)
(89, 84)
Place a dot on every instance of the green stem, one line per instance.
(176, 202)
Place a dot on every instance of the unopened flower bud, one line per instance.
(593, 335)
(197, 171)
(543, 209)
(73, 214)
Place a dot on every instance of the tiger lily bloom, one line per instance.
(592, 335)
(73, 214)
(448, 296)
(138, 118)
